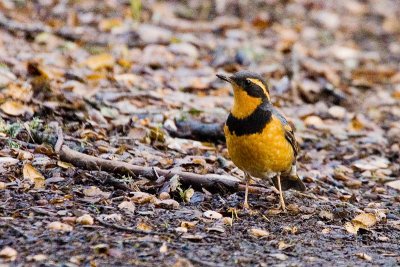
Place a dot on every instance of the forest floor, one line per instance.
(86, 75)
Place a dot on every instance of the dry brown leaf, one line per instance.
(94, 191)
(109, 24)
(85, 220)
(2, 185)
(167, 204)
(352, 229)
(34, 176)
(21, 92)
(14, 108)
(144, 226)
(128, 206)
(8, 253)
(65, 165)
(99, 61)
(227, 221)
(164, 195)
(59, 226)
(258, 232)
(394, 184)
(143, 198)
(365, 220)
(188, 225)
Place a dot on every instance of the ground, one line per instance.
(135, 83)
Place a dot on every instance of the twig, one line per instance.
(130, 229)
(60, 140)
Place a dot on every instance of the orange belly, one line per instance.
(261, 154)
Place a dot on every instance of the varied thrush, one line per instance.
(260, 140)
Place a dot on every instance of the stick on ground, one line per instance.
(117, 167)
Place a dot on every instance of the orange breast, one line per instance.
(261, 153)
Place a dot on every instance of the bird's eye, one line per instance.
(247, 82)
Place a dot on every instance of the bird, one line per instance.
(259, 139)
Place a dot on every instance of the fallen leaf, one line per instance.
(65, 165)
(394, 184)
(94, 191)
(167, 204)
(99, 61)
(8, 161)
(188, 225)
(59, 226)
(227, 221)
(2, 185)
(85, 220)
(144, 226)
(163, 249)
(279, 256)
(143, 198)
(19, 92)
(282, 245)
(14, 108)
(37, 257)
(187, 195)
(372, 163)
(34, 176)
(365, 220)
(164, 195)
(181, 229)
(364, 256)
(127, 206)
(8, 253)
(210, 214)
(255, 232)
(324, 214)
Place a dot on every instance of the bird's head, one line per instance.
(249, 90)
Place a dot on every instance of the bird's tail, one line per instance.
(290, 181)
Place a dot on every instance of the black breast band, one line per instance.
(252, 124)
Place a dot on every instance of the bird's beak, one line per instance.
(225, 78)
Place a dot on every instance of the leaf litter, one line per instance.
(145, 93)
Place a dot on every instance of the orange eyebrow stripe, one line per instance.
(260, 84)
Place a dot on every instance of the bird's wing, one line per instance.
(289, 133)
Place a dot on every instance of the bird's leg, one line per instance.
(246, 192)
(282, 201)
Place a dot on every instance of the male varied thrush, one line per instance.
(260, 141)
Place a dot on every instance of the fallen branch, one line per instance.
(88, 162)
(197, 130)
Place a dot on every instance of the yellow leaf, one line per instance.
(352, 229)
(14, 108)
(108, 24)
(33, 175)
(100, 61)
(144, 227)
(365, 220)
(59, 226)
(20, 92)
(65, 165)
